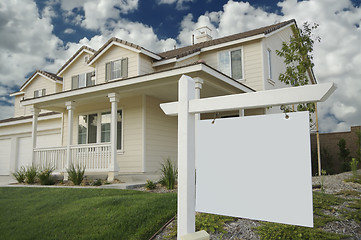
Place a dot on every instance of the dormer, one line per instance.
(76, 72)
(118, 59)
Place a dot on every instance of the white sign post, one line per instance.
(186, 109)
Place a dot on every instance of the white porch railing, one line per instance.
(94, 157)
(54, 157)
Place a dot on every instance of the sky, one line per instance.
(44, 34)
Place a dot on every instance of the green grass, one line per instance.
(64, 213)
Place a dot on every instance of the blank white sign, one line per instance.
(256, 167)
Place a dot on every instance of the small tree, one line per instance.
(344, 155)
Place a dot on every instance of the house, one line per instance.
(101, 109)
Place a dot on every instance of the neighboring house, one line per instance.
(102, 110)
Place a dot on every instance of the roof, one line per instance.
(184, 51)
(83, 48)
(127, 44)
(48, 75)
(26, 117)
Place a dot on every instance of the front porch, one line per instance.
(93, 157)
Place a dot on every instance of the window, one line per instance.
(230, 63)
(89, 128)
(269, 57)
(116, 69)
(82, 80)
(39, 93)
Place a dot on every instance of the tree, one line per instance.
(344, 155)
(298, 58)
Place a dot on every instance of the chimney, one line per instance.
(204, 34)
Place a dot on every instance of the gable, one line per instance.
(39, 82)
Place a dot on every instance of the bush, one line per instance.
(150, 185)
(30, 174)
(353, 165)
(76, 175)
(19, 175)
(344, 155)
(45, 176)
(97, 182)
(169, 174)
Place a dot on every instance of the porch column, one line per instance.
(70, 106)
(34, 130)
(198, 87)
(113, 168)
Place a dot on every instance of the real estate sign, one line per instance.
(256, 167)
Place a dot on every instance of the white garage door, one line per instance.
(5, 149)
(25, 152)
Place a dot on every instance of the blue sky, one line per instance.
(43, 34)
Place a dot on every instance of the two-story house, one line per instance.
(101, 109)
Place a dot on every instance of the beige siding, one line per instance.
(18, 109)
(253, 73)
(161, 135)
(145, 65)
(116, 53)
(188, 61)
(39, 83)
(130, 159)
(79, 66)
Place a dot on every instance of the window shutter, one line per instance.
(75, 82)
(36, 94)
(43, 91)
(107, 71)
(124, 67)
(89, 79)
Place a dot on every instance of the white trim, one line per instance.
(238, 41)
(172, 60)
(75, 58)
(164, 62)
(144, 112)
(140, 79)
(114, 42)
(16, 94)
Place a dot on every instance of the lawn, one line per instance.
(62, 213)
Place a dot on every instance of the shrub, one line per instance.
(97, 182)
(19, 175)
(30, 174)
(323, 173)
(76, 174)
(344, 155)
(169, 174)
(353, 165)
(150, 185)
(45, 176)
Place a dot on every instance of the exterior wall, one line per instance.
(329, 141)
(18, 109)
(130, 157)
(17, 139)
(38, 83)
(161, 135)
(187, 61)
(252, 62)
(145, 64)
(77, 67)
(112, 54)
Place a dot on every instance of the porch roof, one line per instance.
(163, 85)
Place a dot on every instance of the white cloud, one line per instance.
(180, 4)
(69, 31)
(97, 13)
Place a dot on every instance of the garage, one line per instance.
(5, 153)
